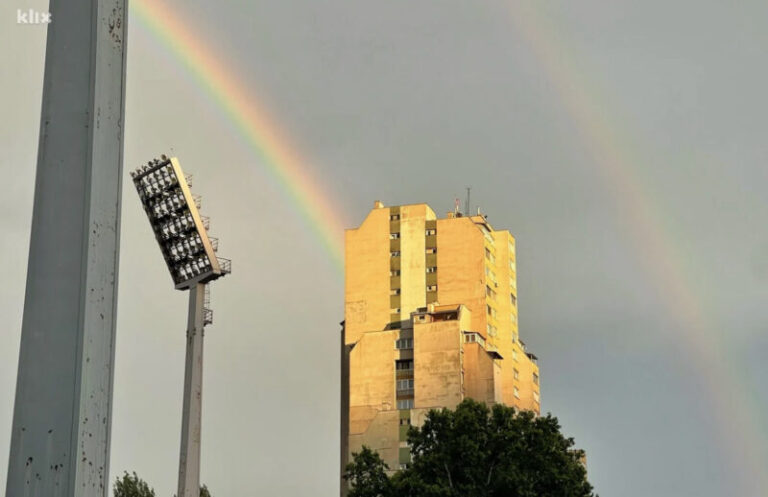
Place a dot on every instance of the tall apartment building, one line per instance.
(430, 319)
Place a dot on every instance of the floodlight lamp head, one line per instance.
(179, 229)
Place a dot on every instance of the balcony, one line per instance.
(405, 394)
(225, 265)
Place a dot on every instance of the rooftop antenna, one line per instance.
(466, 207)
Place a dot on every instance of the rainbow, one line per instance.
(243, 108)
(741, 437)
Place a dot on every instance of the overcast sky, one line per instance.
(622, 143)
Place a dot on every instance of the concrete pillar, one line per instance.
(62, 413)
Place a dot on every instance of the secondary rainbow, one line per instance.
(742, 436)
(243, 107)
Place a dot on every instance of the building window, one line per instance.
(431, 288)
(394, 291)
(431, 250)
(489, 255)
(405, 385)
(535, 379)
(394, 217)
(514, 354)
(404, 343)
(395, 253)
(491, 329)
(403, 466)
(405, 421)
(394, 272)
(404, 365)
(536, 396)
(405, 404)
(517, 393)
(473, 337)
(431, 232)
(516, 373)
(432, 269)
(513, 299)
(395, 311)
(490, 292)
(394, 236)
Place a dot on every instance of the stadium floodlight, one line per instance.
(190, 255)
(181, 232)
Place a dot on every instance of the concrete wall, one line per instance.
(480, 375)
(412, 266)
(371, 378)
(437, 364)
(382, 435)
(460, 268)
(526, 386)
(367, 289)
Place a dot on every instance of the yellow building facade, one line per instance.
(430, 319)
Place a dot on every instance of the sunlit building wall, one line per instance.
(430, 319)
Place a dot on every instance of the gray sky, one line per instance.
(622, 143)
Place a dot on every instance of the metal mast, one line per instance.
(191, 417)
(190, 255)
(62, 412)
(466, 206)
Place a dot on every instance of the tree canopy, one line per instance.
(133, 486)
(479, 452)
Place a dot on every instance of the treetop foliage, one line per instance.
(479, 452)
(130, 485)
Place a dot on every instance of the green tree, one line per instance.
(132, 486)
(367, 475)
(481, 452)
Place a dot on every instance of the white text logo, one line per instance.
(32, 17)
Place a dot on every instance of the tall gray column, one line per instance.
(62, 414)
(191, 417)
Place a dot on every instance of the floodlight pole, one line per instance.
(189, 458)
(190, 255)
